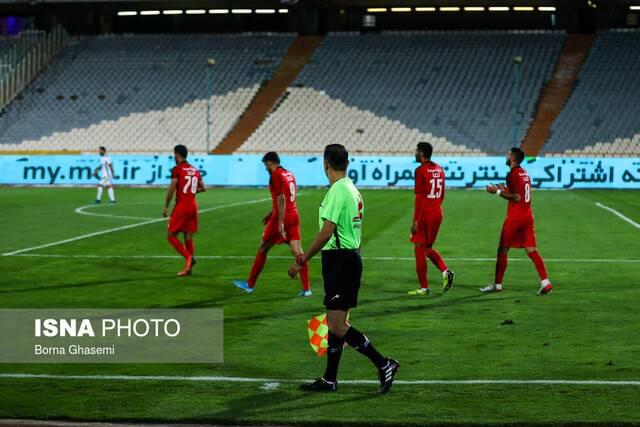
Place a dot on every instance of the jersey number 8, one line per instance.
(527, 192)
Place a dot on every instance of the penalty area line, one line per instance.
(371, 258)
(618, 214)
(633, 383)
(126, 227)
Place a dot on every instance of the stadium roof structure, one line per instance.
(340, 3)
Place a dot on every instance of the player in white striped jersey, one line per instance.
(105, 173)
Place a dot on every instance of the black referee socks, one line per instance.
(334, 352)
(361, 344)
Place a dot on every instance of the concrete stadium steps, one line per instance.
(557, 91)
(267, 98)
(601, 115)
(456, 84)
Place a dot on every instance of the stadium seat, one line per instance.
(382, 93)
(140, 92)
(601, 117)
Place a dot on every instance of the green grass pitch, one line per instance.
(587, 329)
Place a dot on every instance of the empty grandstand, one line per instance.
(382, 92)
(601, 116)
(377, 92)
(140, 92)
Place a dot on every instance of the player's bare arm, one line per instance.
(417, 212)
(281, 207)
(318, 243)
(266, 218)
(170, 192)
(201, 187)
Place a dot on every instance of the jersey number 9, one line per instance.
(292, 190)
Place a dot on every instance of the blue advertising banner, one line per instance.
(247, 170)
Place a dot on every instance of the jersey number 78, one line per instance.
(190, 184)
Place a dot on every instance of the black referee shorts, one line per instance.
(341, 271)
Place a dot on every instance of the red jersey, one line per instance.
(283, 182)
(518, 182)
(429, 188)
(188, 178)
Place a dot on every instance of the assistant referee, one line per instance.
(340, 218)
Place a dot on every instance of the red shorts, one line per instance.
(184, 219)
(428, 227)
(518, 233)
(272, 235)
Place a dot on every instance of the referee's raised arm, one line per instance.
(340, 221)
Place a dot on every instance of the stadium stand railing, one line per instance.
(25, 58)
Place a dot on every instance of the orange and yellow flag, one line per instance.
(318, 334)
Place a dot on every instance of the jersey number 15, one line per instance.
(436, 188)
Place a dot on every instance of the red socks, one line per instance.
(501, 267)
(421, 266)
(258, 265)
(304, 276)
(256, 268)
(178, 246)
(421, 263)
(189, 246)
(436, 258)
(539, 263)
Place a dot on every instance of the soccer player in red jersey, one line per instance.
(185, 183)
(518, 230)
(282, 224)
(427, 217)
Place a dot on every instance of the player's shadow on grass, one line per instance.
(271, 403)
(80, 285)
(227, 299)
(442, 302)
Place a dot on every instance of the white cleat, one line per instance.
(492, 288)
(545, 289)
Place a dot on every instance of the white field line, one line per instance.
(373, 258)
(82, 211)
(291, 380)
(618, 214)
(126, 227)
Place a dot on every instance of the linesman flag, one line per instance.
(319, 334)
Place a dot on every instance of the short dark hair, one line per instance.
(271, 156)
(182, 150)
(337, 156)
(426, 149)
(518, 154)
(102, 148)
